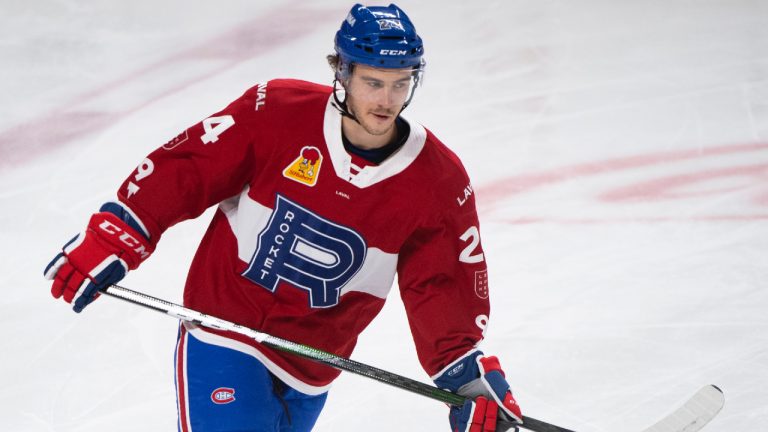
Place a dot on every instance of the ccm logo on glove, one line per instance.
(127, 239)
(96, 258)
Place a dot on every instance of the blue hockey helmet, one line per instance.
(381, 37)
(378, 36)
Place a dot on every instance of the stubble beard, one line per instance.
(372, 129)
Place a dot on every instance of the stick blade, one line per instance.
(695, 413)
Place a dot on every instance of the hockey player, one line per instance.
(324, 194)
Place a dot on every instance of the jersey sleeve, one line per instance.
(443, 282)
(205, 164)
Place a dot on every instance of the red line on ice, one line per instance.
(244, 42)
(660, 188)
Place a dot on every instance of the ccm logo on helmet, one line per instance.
(223, 395)
(393, 52)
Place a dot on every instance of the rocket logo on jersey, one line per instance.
(307, 251)
(306, 167)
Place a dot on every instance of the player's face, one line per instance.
(376, 96)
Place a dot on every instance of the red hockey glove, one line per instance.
(96, 258)
(491, 406)
(480, 415)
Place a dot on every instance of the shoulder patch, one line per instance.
(306, 168)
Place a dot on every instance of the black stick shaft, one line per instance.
(316, 355)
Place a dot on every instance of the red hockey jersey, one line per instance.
(305, 245)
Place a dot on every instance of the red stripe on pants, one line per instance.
(181, 385)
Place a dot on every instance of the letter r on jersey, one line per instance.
(307, 251)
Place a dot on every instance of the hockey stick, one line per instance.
(693, 415)
(313, 354)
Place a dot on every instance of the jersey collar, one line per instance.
(369, 175)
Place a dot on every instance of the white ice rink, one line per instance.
(618, 150)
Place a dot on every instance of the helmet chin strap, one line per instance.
(342, 105)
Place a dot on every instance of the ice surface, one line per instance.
(618, 149)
